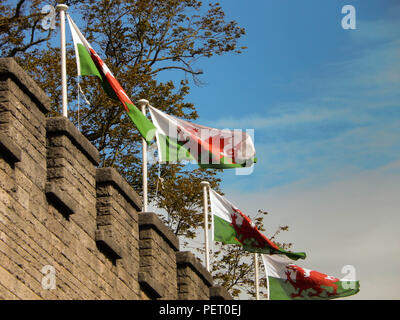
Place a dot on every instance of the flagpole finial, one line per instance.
(62, 7)
(205, 184)
(143, 102)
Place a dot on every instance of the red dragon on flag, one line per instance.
(306, 279)
(287, 281)
(253, 240)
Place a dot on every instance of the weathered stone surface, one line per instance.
(110, 175)
(107, 243)
(61, 125)
(194, 281)
(157, 246)
(68, 205)
(150, 220)
(219, 293)
(9, 149)
(186, 258)
(9, 68)
(150, 285)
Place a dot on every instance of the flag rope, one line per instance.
(78, 80)
(159, 179)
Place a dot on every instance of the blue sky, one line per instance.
(325, 106)
(304, 83)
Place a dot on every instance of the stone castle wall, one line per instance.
(72, 230)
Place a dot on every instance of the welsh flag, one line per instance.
(231, 226)
(179, 140)
(90, 64)
(287, 281)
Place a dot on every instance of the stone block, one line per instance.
(219, 293)
(9, 68)
(107, 244)
(9, 149)
(61, 199)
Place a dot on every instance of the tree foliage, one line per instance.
(20, 27)
(139, 40)
(183, 206)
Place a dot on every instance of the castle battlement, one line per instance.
(60, 212)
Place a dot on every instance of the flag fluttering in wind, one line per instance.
(90, 64)
(287, 281)
(231, 226)
(179, 140)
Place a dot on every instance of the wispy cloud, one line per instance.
(350, 117)
(353, 220)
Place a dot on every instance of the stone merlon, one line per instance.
(110, 175)
(9, 68)
(61, 125)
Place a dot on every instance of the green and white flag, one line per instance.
(179, 140)
(287, 281)
(90, 64)
(231, 226)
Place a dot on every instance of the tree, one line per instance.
(19, 27)
(180, 194)
(139, 39)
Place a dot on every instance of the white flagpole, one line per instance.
(212, 230)
(62, 8)
(143, 103)
(266, 274)
(257, 277)
(206, 185)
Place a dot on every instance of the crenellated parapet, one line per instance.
(63, 218)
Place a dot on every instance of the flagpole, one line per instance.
(62, 8)
(257, 277)
(205, 185)
(143, 103)
(266, 273)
